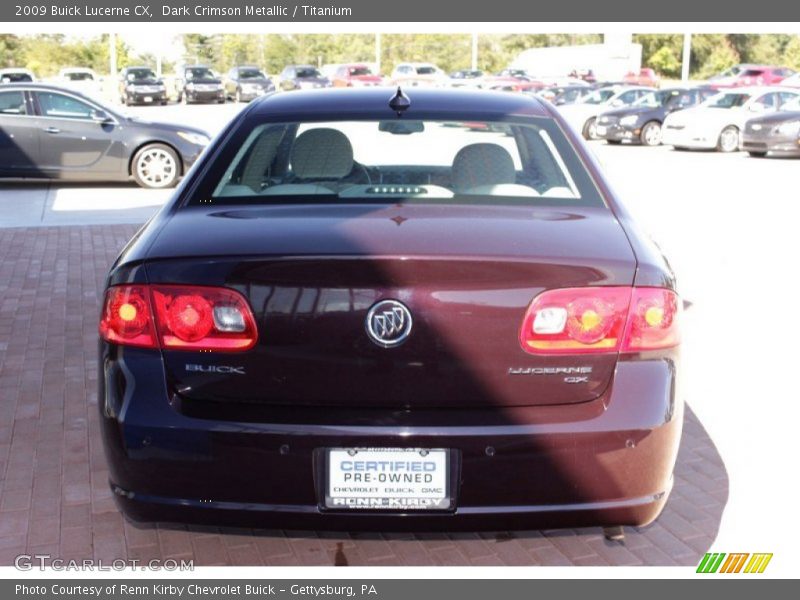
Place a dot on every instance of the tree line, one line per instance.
(711, 53)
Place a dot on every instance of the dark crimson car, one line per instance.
(357, 312)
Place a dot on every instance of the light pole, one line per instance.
(474, 51)
(112, 55)
(378, 53)
(687, 57)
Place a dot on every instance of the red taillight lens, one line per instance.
(601, 319)
(203, 318)
(127, 318)
(654, 320)
(575, 320)
(182, 317)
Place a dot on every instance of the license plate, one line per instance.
(148, 98)
(388, 479)
(601, 129)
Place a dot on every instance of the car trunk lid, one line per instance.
(466, 274)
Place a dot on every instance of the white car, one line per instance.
(582, 115)
(419, 75)
(81, 79)
(791, 81)
(716, 123)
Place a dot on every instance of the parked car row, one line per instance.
(760, 120)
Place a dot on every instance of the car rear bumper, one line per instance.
(599, 463)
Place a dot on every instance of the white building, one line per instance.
(611, 60)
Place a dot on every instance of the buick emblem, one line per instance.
(388, 323)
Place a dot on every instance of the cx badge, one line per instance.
(388, 323)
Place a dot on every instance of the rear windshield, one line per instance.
(197, 73)
(307, 72)
(360, 71)
(251, 74)
(598, 97)
(727, 100)
(140, 74)
(79, 76)
(656, 99)
(400, 160)
(16, 77)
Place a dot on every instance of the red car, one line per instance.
(746, 75)
(355, 75)
(647, 77)
(512, 80)
(358, 313)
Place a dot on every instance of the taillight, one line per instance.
(654, 320)
(180, 317)
(127, 318)
(601, 319)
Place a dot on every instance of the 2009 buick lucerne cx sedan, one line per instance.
(360, 311)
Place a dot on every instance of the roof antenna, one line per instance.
(399, 102)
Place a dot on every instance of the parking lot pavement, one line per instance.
(39, 204)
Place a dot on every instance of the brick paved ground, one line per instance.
(54, 496)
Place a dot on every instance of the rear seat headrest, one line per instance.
(322, 153)
(482, 164)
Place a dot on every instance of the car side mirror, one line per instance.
(757, 107)
(100, 116)
(616, 103)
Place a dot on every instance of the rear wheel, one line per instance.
(590, 129)
(757, 154)
(728, 139)
(651, 134)
(156, 166)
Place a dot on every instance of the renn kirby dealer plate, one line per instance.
(388, 479)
